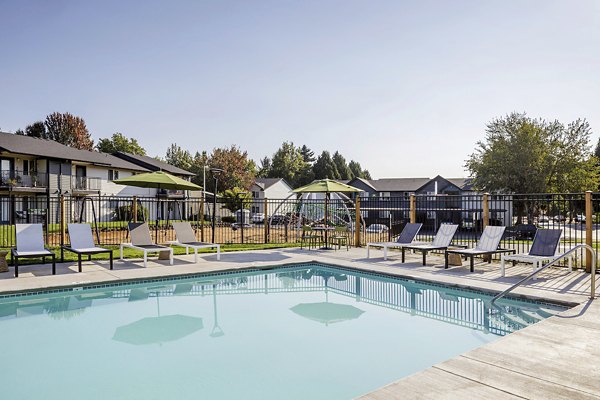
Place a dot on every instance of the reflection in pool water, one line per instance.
(301, 332)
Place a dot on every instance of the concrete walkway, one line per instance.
(557, 358)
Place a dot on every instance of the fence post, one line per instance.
(357, 223)
(62, 226)
(413, 209)
(266, 220)
(134, 209)
(202, 218)
(589, 221)
(486, 210)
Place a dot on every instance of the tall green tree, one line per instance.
(238, 170)
(324, 167)
(37, 129)
(287, 163)
(520, 154)
(357, 171)
(264, 169)
(236, 198)
(69, 130)
(344, 171)
(307, 154)
(119, 142)
(197, 167)
(179, 157)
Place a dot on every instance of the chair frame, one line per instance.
(312, 238)
(386, 245)
(14, 253)
(473, 251)
(194, 245)
(153, 248)
(426, 248)
(340, 236)
(89, 253)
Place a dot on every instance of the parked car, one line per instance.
(278, 219)
(559, 218)
(237, 225)
(377, 228)
(521, 231)
(543, 220)
(258, 218)
(579, 218)
(468, 225)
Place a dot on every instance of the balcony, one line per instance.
(19, 180)
(85, 184)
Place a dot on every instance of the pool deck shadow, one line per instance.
(555, 358)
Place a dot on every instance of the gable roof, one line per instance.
(31, 146)
(265, 183)
(152, 164)
(398, 184)
(462, 183)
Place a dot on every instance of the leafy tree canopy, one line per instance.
(119, 142)
(524, 155)
(236, 198)
(238, 170)
(325, 168)
(69, 130)
(178, 157)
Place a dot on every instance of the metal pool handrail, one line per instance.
(579, 246)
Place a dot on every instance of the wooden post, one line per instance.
(486, 210)
(357, 223)
(589, 222)
(62, 226)
(202, 219)
(134, 209)
(413, 209)
(266, 220)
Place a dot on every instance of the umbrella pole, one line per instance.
(326, 218)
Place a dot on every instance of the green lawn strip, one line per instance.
(132, 253)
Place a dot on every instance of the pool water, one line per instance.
(305, 332)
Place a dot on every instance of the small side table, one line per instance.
(3, 263)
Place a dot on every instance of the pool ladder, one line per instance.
(553, 262)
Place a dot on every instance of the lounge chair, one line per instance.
(30, 244)
(187, 238)
(487, 245)
(441, 241)
(82, 243)
(406, 237)
(142, 241)
(543, 248)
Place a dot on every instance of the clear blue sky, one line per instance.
(404, 87)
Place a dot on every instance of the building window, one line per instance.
(255, 195)
(25, 167)
(113, 174)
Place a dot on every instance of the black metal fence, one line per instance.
(280, 221)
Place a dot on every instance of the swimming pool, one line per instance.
(305, 331)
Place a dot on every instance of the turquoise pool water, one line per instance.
(305, 332)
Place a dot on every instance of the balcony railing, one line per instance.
(86, 183)
(23, 179)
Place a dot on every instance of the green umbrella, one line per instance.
(327, 313)
(327, 186)
(152, 330)
(158, 180)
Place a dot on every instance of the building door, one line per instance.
(6, 170)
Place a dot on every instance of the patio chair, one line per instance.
(487, 245)
(82, 243)
(142, 241)
(30, 244)
(340, 237)
(184, 233)
(406, 237)
(543, 248)
(441, 241)
(309, 236)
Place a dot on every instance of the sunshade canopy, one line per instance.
(327, 313)
(327, 186)
(158, 329)
(159, 180)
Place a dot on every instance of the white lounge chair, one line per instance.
(30, 244)
(543, 248)
(142, 241)
(187, 238)
(406, 237)
(487, 245)
(441, 241)
(82, 243)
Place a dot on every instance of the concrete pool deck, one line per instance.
(555, 358)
